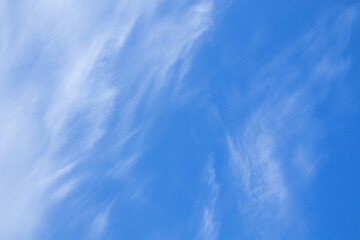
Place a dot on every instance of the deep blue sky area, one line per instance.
(204, 119)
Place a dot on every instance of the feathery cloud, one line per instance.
(282, 130)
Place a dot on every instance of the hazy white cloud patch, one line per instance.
(255, 164)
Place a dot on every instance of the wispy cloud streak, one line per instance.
(209, 228)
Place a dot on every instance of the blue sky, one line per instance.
(202, 119)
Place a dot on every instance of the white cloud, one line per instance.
(274, 148)
(58, 89)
